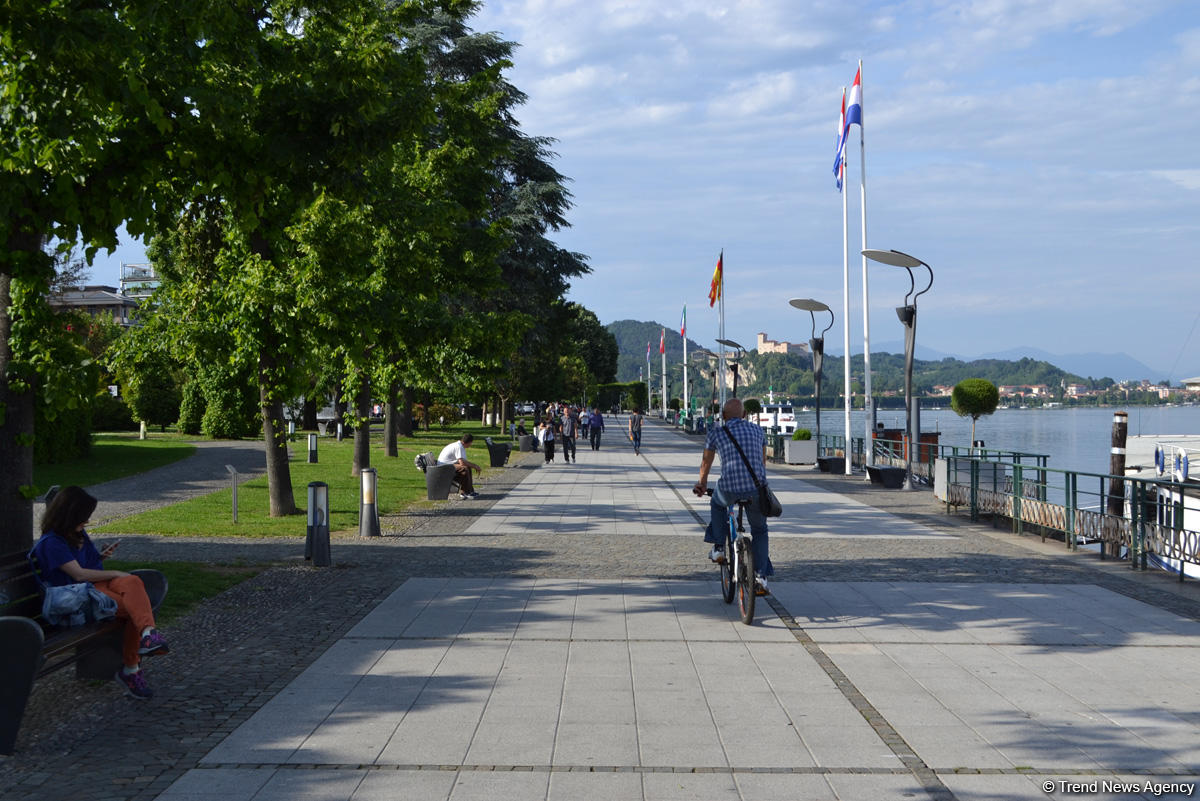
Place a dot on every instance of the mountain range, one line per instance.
(632, 335)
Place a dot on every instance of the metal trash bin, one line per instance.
(525, 443)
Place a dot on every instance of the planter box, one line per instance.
(800, 451)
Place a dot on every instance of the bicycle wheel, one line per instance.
(745, 581)
(728, 579)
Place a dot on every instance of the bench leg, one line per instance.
(19, 658)
(101, 660)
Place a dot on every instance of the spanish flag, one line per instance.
(718, 280)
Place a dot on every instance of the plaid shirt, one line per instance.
(735, 479)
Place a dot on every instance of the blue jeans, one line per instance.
(636, 436)
(719, 510)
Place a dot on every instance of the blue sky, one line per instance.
(1041, 155)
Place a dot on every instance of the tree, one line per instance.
(93, 110)
(974, 398)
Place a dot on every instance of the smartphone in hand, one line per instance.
(108, 549)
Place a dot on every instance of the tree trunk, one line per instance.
(16, 437)
(362, 425)
(279, 473)
(390, 423)
(404, 418)
(308, 417)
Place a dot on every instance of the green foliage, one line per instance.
(111, 413)
(229, 412)
(67, 436)
(152, 393)
(191, 408)
(753, 406)
(628, 395)
(676, 403)
(444, 414)
(801, 434)
(974, 398)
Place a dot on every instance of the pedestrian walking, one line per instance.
(546, 436)
(635, 429)
(595, 427)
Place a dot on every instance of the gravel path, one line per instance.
(199, 474)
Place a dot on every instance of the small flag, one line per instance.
(683, 323)
(647, 351)
(839, 161)
(718, 280)
(662, 342)
(854, 111)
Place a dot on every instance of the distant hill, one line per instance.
(632, 336)
(1117, 366)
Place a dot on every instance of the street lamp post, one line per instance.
(908, 316)
(735, 362)
(817, 345)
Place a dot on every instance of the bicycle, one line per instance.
(737, 569)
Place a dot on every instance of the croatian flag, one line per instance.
(854, 109)
(647, 351)
(662, 341)
(839, 161)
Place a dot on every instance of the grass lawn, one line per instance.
(188, 583)
(399, 486)
(114, 456)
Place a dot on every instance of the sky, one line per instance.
(1040, 155)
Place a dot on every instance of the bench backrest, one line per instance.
(20, 593)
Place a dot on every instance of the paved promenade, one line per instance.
(564, 638)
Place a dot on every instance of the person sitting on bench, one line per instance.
(66, 555)
(456, 454)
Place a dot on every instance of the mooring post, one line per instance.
(1116, 468)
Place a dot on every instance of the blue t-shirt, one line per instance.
(53, 551)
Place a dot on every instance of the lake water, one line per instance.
(1075, 439)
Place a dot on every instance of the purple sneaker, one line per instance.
(153, 644)
(134, 684)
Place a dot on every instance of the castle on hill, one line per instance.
(771, 346)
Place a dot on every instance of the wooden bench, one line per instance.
(31, 648)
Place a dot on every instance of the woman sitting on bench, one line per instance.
(65, 555)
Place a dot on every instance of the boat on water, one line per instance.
(780, 414)
(1178, 501)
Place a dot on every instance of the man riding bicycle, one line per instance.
(736, 484)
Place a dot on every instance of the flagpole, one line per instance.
(663, 399)
(868, 399)
(846, 320)
(683, 332)
(721, 359)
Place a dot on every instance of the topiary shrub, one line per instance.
(801, 434)
(191, 408)
(753, 406)
(110, 413)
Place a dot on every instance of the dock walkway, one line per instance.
(564, 638)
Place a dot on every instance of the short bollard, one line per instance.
(316, 544)
(368, 512)
(339, 432)
(312, 448)
(233, 479)
(291, 430)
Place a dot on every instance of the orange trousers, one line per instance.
(134, 606)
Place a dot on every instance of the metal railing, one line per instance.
(1151, 521)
